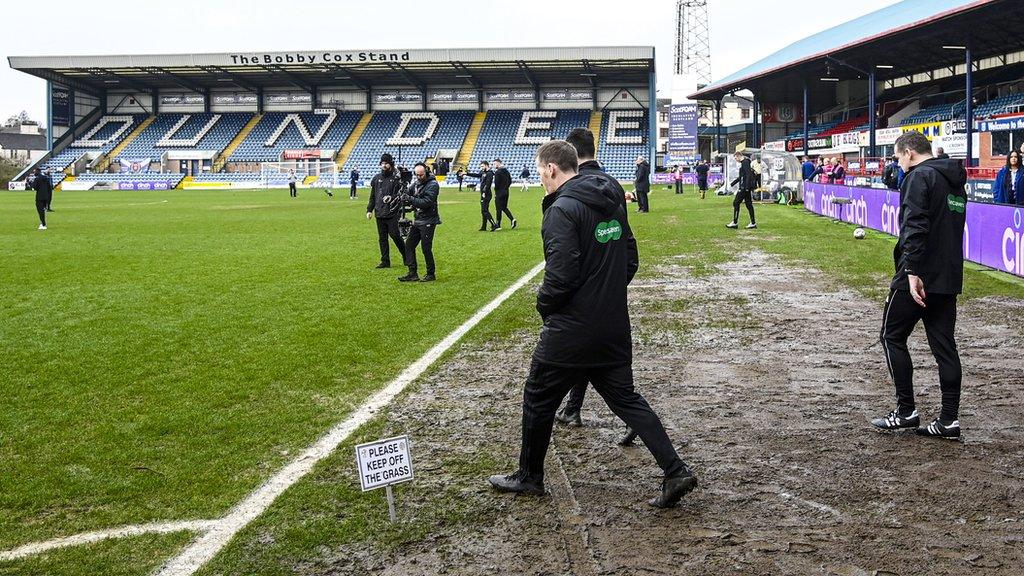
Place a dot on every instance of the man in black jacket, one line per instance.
(354, 178)
(43, 186)
(582, 140)
(642, 184)
(385, 192)
(423, 199)
(747, 180)
(502, 183)
(486, 178)
(589, 252)
(929, 262)
(702, 170)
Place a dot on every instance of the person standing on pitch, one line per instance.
(43, 186)
(385, 192)
(423, 199)
(642, 184)
(589, 252)
(702, 170)
(291, 184)
(49, 176)
(502, 184)
(524, 178)
(486, 178)
(354, 179)
(929, 258)
(460, 175)
(747, 181)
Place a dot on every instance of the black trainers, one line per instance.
(410, 277)
(627, 439)
(428, 278)
(673, 489)
(894, 421)
(939, 430)
(512, 483)
(572, 419)
(383, 265)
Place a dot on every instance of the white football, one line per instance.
(859, 233)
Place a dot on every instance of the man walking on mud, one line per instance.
(929, 261)
(590, 257)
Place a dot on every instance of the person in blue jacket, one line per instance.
(1009, 188)
(807, 169)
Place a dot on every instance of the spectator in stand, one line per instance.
(807, 169)
(826, 169)
(940, 153)
(891, 176)
(1009, 188)
(838, 172)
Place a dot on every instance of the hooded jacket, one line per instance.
(385, 185)
(593, 168)
(933, 210)
(1003, 193)
(746, 178)
(43, 186)
(590, 257)
(423, 199)
(502, 181)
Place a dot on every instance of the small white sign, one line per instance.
(384, 462)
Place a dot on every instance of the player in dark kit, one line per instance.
(929, 275)
(385, 191)
(486, 178)
(423, 199)
(502, 184)
(590, 254)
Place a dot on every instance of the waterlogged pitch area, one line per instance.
(166, 353)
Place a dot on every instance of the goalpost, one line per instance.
(320, 173)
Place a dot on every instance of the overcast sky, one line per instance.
(740, 32)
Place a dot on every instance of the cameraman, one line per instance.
(385, 192)
(423, 199)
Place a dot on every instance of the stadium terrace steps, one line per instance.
(60, 185)
(595, 127)
(184, 182)
(222, 159)
(105, 163)
(466, 152)
(352, 140)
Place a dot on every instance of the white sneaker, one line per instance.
(751, 226)
(731, 225)
(42, 227)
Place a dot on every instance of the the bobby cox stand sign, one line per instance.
(383, 463)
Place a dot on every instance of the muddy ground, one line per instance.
(765, 377)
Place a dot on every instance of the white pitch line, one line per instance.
(99, 535)
(206, 546)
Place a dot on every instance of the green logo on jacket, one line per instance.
(606, 231)
(957, 203)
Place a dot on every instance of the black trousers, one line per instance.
(352, 192)
(389, 227)
(643, 201)
(547, 385)
(485, 212)
(291, 189)
(679, 186)
(501, 207)
(743, 197)
(899, 319)
(42, 202)
(420, 234)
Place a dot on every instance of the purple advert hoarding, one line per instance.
(688, 178)
(993, 236)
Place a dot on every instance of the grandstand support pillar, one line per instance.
(756, 117)
(969, 104)
(652, 118)
(872, 114)
(207, 101)
(807, 116)
(103, 102)
(73, 120)
(480, 100)
(49, 115)
(369, 99)
(718, 126)
(259, 99)
(155, 95)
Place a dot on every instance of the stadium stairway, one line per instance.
(466, 152)
(595, 127)
(218, 165)
(109, 156)
(353, 139)
(184, 181)
(60, 185)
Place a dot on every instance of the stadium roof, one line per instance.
(356, 69)
(909, 36)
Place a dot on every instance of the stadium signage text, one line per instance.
(322, 58)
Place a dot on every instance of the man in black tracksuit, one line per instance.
(929, 275)
(43, 186)
(502, 183)
(385, 192)
(423, 199)
(642, 184)
(486, 178)
(702, 170)
(747, 180)
(589, 254)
